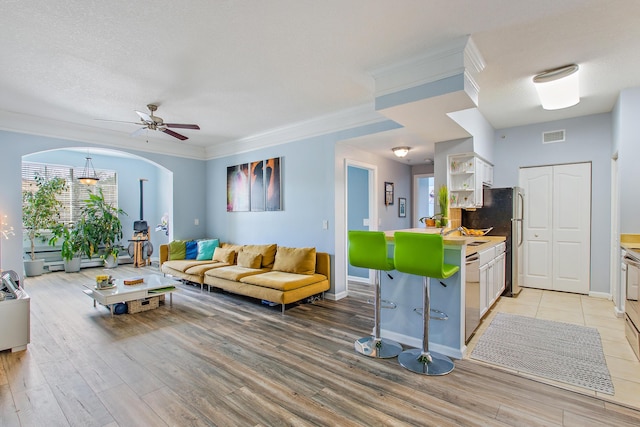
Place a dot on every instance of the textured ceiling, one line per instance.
(241, 69)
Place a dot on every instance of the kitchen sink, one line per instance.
(478, 242)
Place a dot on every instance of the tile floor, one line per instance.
(623, 365)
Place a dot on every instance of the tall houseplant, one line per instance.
(443, 201)
(102, 224)
(40, 212)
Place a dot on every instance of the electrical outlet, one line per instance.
(196, 221)
(325, 224)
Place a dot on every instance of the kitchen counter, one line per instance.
(630, 242)
(403, 324)
(452, 239)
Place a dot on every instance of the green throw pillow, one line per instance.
(205, 249)
(177, 249)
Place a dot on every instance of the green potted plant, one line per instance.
(103, 226)
(430, 221)
(443, 201)
(40, 212)
(75, 243)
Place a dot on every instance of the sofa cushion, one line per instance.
(268, 253)
(234, 272)
(177, 249)
(283, 281)
(191, 247)
(200, 269)
(225, 255)
(183, 264)
(249, 259)
(205, 249)
(295, 260)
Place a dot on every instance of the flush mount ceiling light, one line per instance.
(89, 175)
(400, 151)
(558, 88)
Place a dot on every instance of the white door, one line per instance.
(571, 227)
(557, 223)
(537, 184)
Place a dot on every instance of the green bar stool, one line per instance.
(423, 255)
(368, 249)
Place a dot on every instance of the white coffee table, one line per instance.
(123, 293)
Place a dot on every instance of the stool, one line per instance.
(423, 255)
(368, 249)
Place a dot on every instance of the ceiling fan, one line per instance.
(149, 121)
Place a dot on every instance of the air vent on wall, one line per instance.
(553, 136)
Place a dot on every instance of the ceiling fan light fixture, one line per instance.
(89, 175)
(558, 88)
(400, 151)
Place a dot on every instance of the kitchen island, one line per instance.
(404, 323)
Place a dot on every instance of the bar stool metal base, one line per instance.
(379, 348)
(417, 361)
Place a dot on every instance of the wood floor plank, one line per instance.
(216, 358)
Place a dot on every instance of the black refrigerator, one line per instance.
(502, 209)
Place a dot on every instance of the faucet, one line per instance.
(453, 230)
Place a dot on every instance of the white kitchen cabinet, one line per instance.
(466, 175)
(492, 283)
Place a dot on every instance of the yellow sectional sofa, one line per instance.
(279, 275)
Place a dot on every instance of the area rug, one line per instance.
(561, 352)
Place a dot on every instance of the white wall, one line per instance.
(627, 143)
(588, 139)
(480, 129)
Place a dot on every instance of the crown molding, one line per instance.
(50, 128)
(342, 120)
(455, 57)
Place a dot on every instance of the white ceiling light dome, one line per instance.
(558, 88)
(401, 151)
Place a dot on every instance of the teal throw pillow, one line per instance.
(192, 249)
(177, 250)
(206, 248)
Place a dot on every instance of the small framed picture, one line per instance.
(402, 207)
(388, 193)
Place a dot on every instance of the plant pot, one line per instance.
(110, 261)
(431, 222)
(72, 265)
(33, 268)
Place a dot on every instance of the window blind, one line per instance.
(74, 198)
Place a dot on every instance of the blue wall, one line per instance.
(588, 139)
(186, 192)
(358, 208)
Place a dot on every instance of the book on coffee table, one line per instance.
(133, 281)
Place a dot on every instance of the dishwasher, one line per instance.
(472, 295)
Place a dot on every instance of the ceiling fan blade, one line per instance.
(144, 116)
(139, 131)
(174, 134)
(182, 126)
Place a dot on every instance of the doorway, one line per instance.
(423, 195)
(557, 227)
(360, 211)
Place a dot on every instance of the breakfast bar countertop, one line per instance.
(487, 241)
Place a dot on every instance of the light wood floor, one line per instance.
(218, 359)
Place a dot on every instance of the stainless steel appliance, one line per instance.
(503, 210)
(472, 295)
(631, 260)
